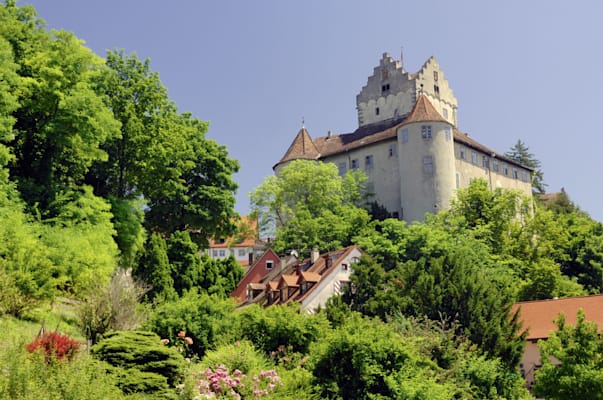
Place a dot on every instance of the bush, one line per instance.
(207, 320)
(274, 328)
(142, 363)
(27, 376)
(114, 307)
(54, 345)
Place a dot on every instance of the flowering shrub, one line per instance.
(53, 344)
(219, 383)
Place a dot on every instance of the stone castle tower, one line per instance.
(409, 145)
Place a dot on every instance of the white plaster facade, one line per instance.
(409, 145)
(331, 284)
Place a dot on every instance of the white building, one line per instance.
(409, 145)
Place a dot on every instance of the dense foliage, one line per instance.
(108, 196)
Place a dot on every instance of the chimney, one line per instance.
(327, 259)
(314, 255)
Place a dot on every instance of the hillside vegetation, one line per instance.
(108, 195)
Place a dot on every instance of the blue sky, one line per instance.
(528, 70)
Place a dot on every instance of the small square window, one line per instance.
(342, 168)
(462, 154)
(214, 253)
(474, 157)
(485, 162)
(392, 150)
(426, 131)
(222, 253)
(269, 264)
(505, 169)
(524, 176)
(495, 165)
(354, 164)
(376, 110)
(515, 174)
(385, 88)
(242, 252)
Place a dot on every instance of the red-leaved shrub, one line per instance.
(54, 345)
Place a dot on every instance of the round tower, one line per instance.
(427, 162)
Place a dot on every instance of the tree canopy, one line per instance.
(308, 205)
(521, 153)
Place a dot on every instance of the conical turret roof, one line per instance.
(423, 111)
(302, 148)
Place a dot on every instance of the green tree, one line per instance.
(366, 359)
(579, 349)
(309, 205)
(60, 121)
(154, 269)
(521, 153)
(208, 320)
(163, 156)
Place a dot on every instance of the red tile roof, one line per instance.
(538, 316)
(248, 231)
(308, 276)
(302, 148)
(423, 111)
(288, 280)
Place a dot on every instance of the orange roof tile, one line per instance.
(272, 285)
(288, 280)
(248, 231)
(302, 148)
(423, 111)
(308, 276)
(538, 316)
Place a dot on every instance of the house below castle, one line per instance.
(409, 145)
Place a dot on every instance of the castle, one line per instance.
(408, 144)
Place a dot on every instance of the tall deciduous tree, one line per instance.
(163, 156)
(309, 205)
(60, 121)
(521, 153)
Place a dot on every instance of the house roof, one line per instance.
(424, 111)
(538, 316)
(309, 276)
(335, 258)
(248, 231)
(468, 141)
(302, 148)
(288, 280)
(256, 286)
(272, 285)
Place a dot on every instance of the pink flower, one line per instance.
(165, 341)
